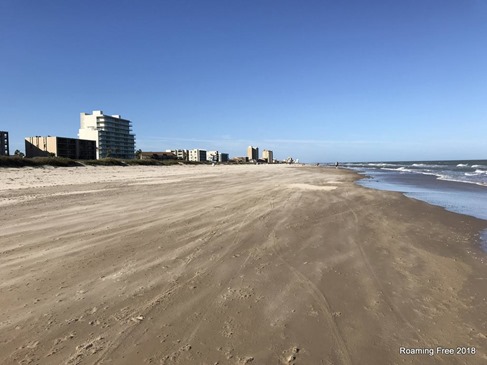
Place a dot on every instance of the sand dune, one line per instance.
(232, 265)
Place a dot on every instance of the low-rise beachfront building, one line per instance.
(252, 153)
(197, 155)
(180, 154)
(212, 156)
(4, 148)
(223, 157)
(77, 149)
(112, 134)
(268, 156)
(240, 159)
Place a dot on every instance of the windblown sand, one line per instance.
(232, 265)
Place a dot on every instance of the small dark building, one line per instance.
(4, 149)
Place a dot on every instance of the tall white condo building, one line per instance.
(112, 134)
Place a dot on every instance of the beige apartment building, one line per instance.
(4, 148)
(77, 149)
(252, 153)
(268, 156)
(112, 134)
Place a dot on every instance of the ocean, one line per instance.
(458, 186)
(469, 172)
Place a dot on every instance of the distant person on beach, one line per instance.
(336, 165)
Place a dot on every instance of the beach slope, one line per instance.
(233, 265)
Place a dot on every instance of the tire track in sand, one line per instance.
(379, 285)
(322, 302)
(145, 310)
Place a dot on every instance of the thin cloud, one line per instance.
(255, 142)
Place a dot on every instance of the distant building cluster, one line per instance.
(253, 155)
(101, 136)
(194, 155)
(200, 155)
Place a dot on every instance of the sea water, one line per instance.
(458, 186)
(469, 171)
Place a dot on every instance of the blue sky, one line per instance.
(316, 80)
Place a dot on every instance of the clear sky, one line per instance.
(317, 80)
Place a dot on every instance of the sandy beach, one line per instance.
(268, 264)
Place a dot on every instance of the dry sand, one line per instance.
(231, 265)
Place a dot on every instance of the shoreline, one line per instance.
(460, 197)
(456, 171)
(235, 265)
(481, 242)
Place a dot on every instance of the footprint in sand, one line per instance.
(292, 357)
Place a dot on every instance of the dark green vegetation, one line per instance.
(15, 161)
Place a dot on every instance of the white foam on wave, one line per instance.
(462, 165)
(452, 179)
(402, 169)
(443, 176)
(477, 166)
(440, 172)
(381, 164)
(424, 165)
